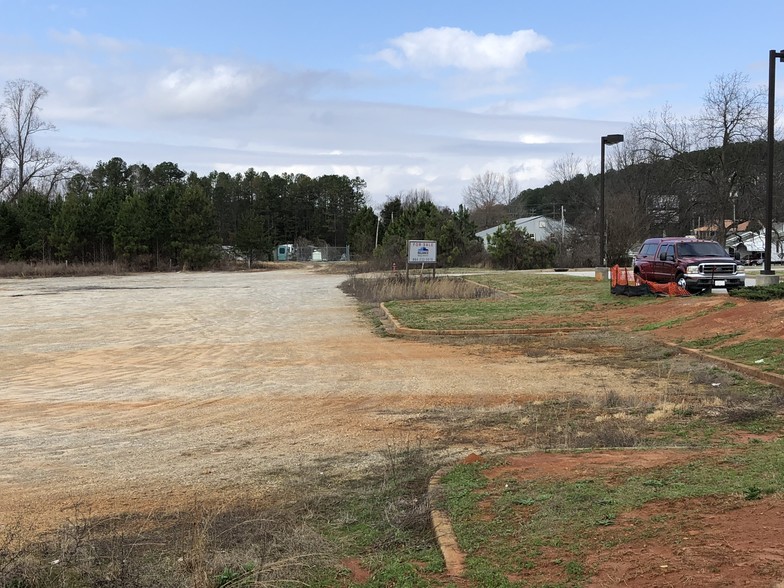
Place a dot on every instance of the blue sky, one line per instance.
(405, 94)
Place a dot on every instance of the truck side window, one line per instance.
(667, 253)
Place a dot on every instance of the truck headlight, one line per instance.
(692, 269)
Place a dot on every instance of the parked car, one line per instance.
(694, 264)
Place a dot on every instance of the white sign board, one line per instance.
(421, 252)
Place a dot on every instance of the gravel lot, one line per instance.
(147, 391)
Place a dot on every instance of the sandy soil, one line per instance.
(140, 392)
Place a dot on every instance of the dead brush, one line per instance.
(407, 473)
(20, 269)
(410, 514)
(612, 433)
(745, 413)
(396, 287)
(15, 548)
(245, 544)
(240, 543)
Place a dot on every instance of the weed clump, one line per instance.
(398, 287)
(229, 545)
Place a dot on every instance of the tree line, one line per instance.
(163, 216)
(53, 209)
(670, 176)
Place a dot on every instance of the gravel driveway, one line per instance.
(147, 390)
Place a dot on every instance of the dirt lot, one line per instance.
(141, 392)
(129, 391)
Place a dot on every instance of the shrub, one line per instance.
(511, 247)
(759, 293)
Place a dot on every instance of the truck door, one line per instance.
(665, 263)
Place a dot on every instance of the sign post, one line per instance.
(421, 252)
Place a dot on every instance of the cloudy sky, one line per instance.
(405, 94)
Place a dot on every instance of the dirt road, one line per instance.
(141, 391)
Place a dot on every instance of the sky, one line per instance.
(424, 94)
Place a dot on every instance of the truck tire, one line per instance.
(681, 281)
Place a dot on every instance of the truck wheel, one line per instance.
(681, 281)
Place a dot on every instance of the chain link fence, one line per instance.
(311, 253)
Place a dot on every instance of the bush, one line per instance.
(759, 293)
(511, 247)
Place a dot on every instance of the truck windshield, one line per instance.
(701, 249)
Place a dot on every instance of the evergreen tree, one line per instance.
(252, 237)
(511, 247)
(70, 232)
(362, 231)
(133, 228)
(34, 216)
(194, 228)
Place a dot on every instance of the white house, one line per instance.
(541, 227)
(749, 246)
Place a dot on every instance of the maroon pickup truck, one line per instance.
(694, 264)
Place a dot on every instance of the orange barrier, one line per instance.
(625, 282)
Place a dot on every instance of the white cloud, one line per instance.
(209, 112)
(614, 91)
(201, 90)
(79, 40)
(453, 47)
(533, 139)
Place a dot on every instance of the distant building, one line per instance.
(710, 231)
(664, 209)
(749, 246)
(541, 227)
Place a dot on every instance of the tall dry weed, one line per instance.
(398, 287)
(20, 269)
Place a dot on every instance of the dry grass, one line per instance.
(20, 269)
(396, 287)
(234, 544)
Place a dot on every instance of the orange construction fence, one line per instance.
(624, 281)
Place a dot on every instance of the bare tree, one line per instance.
(565, 169)
(732, 112)
(662, 135)
(708, 171)
(23, 165)
(488, 196)
(411, 198)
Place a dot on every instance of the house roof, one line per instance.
(728, 224)
(519, 222)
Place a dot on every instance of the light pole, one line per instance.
(606, 140)
(769, 205)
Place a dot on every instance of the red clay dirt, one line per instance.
(712, 542)
(706, 542)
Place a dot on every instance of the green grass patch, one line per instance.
(537, 300)
(668, 324)
(710, 342)
(508, 525)
(765, 354)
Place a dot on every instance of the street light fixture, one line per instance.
(769, 208)
(606, 140)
